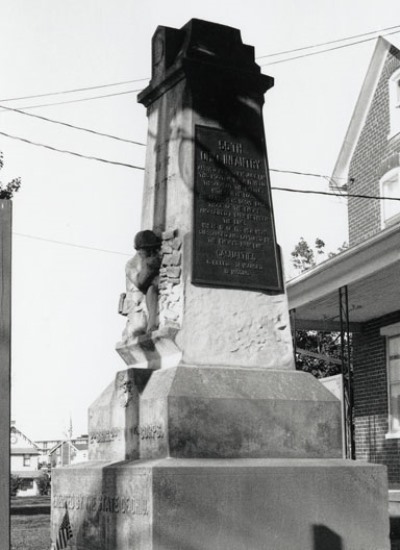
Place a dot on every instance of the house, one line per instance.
(24, 462)
(70, 451)
(359, 289)
(45, 446)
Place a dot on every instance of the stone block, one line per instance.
(220, 412)
(242, 504)
(114, 417)
(153, 350)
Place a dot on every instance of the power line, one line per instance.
(111, 84)
(65, 243)
(65, 151)
(305, 191)
(325, 50)
(327, 43)
(25, 107)
(74, 90)
(301, 173)
(72, 126)
(138, 142)
(353, 195)
(284, 52)
(99, 159)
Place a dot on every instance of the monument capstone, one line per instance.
(210, 439)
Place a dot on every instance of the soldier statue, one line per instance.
(140, 303)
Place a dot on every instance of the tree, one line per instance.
(304, 257)
(43, 483)
(325, 347)
(15, 484)
(327, 350)
(8, 190)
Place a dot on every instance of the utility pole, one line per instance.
(5, 368)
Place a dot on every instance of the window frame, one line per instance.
(389, 176)
(27, 461)
(390, 331)
(394, 104)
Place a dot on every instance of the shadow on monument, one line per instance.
(326, 539)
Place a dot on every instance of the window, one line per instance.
(27, 460)
(394, 103)
(392, 333)
(26, 484)
(393, 358)
(390, 187)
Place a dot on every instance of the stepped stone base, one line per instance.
(235, 504)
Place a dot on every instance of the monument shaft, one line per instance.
(207, 179)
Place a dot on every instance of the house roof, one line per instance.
(27, 474)
(371, 272)
(81, 446)
(361, 109)
(24, 451)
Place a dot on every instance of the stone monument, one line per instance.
(210, 439)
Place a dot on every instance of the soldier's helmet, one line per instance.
(146, 239)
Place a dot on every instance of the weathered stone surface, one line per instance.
(206, 504)
(217, 326)
(153, 351)
(114, 418)
(235, 413)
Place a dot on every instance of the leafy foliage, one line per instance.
(15, 484)
(44, 485)
(305, 257)
(7, 191)
(324, 343)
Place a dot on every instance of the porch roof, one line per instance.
(371, 271)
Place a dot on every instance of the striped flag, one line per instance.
(64, 533)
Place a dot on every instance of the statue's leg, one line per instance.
(152, 307)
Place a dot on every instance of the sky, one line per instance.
(74, 218)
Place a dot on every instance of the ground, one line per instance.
(30, 523)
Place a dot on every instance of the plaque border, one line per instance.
(211, 283)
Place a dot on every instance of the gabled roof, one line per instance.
(81, 446)
(24, 451)
(29, 445)
(361, 109)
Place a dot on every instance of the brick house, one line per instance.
(369, 271)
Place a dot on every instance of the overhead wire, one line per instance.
(332, 194)
(25, 107)
(74, 90)
(75, 127)
(326, 50)
(312, 46)
(65, 151)
(66, 243)
(74, 153)
(284, 52)
(132, 166)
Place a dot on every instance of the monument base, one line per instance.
(235, 504)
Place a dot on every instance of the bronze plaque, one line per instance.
(234, 235)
